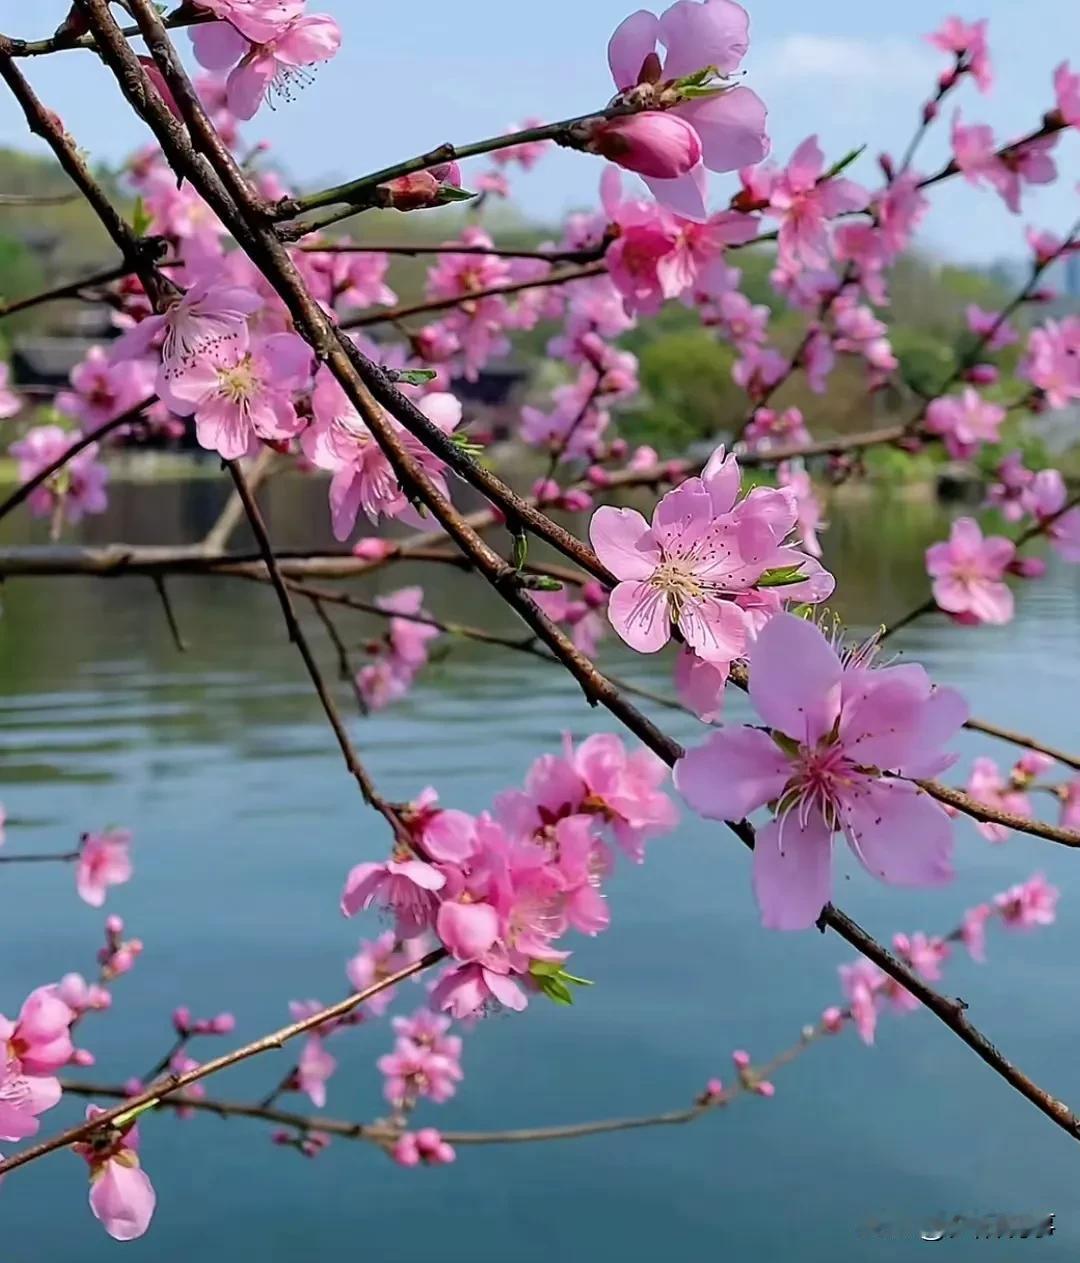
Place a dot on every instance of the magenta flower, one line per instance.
(804, 201)
(843, 734)
(104, 861)
(987, 786)
(102, 390)
(414, 1070)
(1048, 498)
(976, 154)
(729, 123)
(965, 422)
(77, 488)
(424, 1146)
(121, 1195)
(406, 887)
(313, 1069)
(377, 959)
(659, 146)
(967, 42)
(40, 1040)
(239, 395)
(469, 990)
(1053, 361)
(969, 574)
(861, 983)
(22, 1098)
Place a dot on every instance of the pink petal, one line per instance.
(247, 84)
(420, 874)
(122, 1197)
(715, 630)
(468, 930)
(308, 40)
(217, 45)
(506, 991)
(736, 771)
(634, 39)
(731, 126)
(685, 196)
(881, 712)
(716, 33)
(899, 833)
(941, 719)
(792, 885)
(795, 678)
(622, 540)
(639, 613)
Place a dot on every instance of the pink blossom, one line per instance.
(1070, 804)
(102, 390)
(1052, 362)
(313, 1068)
(342, 280)
(81, 996)
(973, 931)
(257, 20)
(700, 685)
(900, 208)
(659, 146)
(10, 403)
(528, 153)
(1011, 494)
(429, 1030)
(39, 1040)
(121, 1195)
(414, 1070)
(441, 834)
(409, 638)
(477, 326)
(77, 487)
(469, 990)
(968, 571)
(1030, 904)
(1067, 90)
(990, 325)
(375, 960)
(986, 786)
(239, 395)
(770, 429)
(965, 422)
(22, 1098)
(807, 506)
(804, 201)
(406, 887)
(729, 123)
(861, 982)
(1049, 496)
(837, 721)
(1006, 170)
(967, 40)
(104, 861)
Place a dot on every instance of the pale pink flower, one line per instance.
(77, 488)
(257, 20)
(808, 519)
(700, 685)
(10, 403)
(469, 990)
(1011, 494)
(1070, 804)
(39, 1039)
(900, 208)
(414, 1070)
(1049, 495)
(383, 682)
(1031, 903)
(965, 422)
(973, 931)
(987, 786)
(924, 953)
(313, 1069)
(1052, 362)
(406, 887)
(967, 41)
(969, 571)
(102, 390)
(990, 325)
(241, 395)
(375, 960)
(121, 1195)
(425, 1146)
(1006, 170)
(861, 983)
(843, 734)
(442, 834)
(804, 201)
(1067, 90)
(729, 124)
(770, 429)
(104, 861)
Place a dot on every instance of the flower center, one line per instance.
(239, 383)
(677, 582)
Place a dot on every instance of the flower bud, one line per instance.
(661, 146)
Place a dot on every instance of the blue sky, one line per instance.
(419, 72)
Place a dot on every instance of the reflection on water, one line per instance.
(245, 824)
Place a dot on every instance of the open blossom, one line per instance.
(338, 440)
(1029, 904)
(965, 422)
(416, 1070)
(273, 65)
(472, 988)
(861, 983)
(104, 860)
(987, 786)
(808, 519)
(842, 735)
(721, 131)
(992, 326)
(1052, 362)
(967, 40)
(240, 395)
(406, 887)
(425, 1146)
(39, 1039)
(77, 488)
(1067, 91)
(314, 1068)
(1011, 493)
(102, 390)
(377, 959)
(770, 429)
(701, 551)
(804, 202)
(1005, 170)
(969, 571)
(121, 1195)
(22, 1098)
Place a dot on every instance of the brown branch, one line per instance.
(450, 247)
(68, 37)
(24, 490)
(176, 1082)
(59, 857)
(73, 289)
(993, 815)
(1027, 743)
(217, 537)
(158, 581)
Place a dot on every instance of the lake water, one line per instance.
(246, 823)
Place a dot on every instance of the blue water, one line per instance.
(246, 823)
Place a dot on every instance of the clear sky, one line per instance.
(415, 73)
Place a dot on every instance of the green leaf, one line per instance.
(545, 968)
(521, 550)
(414, 376)
(141, 219)
(557, 990)
(698, 79)
(451, 193)
(555, 982)
(781, 577)
(843, 164)
(123, 1121)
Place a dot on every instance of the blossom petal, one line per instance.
(731, 127)
(792, 871)
(684, 195)
(795, 678)
(715, 630)
(699, 35)
(634, 39)
(734, 772)
(122, 1197)
(622, 540)
(899, 834)
(639, 613)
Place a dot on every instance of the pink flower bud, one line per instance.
(576, 500)
(223, 1024)
(741, 1059)
(82, 1057)
(653, 144)
(1027, 567)
(181, 1020)
(930, 111)
(765, 1088)
(982, 374)
(373, 549)
(114, 926)
(714, 1088)
(832, 1020)
(598, 476)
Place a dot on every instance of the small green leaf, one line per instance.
(414, 376)
(521, 550)
(545, 968)
(557, 990)
(540, 583)
(141, 219)
(451, 193)
(781, 577)
(123, 1121)
(843, 164)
